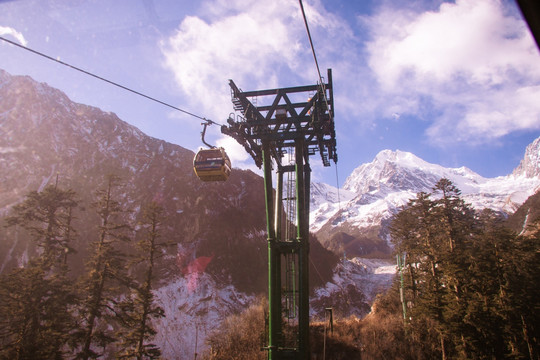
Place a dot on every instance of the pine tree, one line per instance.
(481, 322)
(407, 240)
(518, 293)
(36, 300)
(457, 231)
(139, 308)
(47, 216)
(527, 294)
(105, 271)
(436, 237)
(469, 277)
(421, 241)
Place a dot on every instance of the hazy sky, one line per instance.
(456, 83)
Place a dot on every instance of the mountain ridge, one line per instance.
(358, 224)
(44, 138)
(218, 261)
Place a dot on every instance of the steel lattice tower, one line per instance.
(297, 121)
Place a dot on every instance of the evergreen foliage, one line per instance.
(44, 314)
(105, 272)
(36, 301)
(36, 321)
(47, 216)
(470, 290)
(138, 308)
(468, 278)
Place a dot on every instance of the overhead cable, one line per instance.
(310, 40)
(315, 56)
(105, 80)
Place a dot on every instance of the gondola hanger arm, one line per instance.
(203, 133)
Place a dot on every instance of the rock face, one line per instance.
(530, 165)
(45, 138)
(527, 217)
(218, 262)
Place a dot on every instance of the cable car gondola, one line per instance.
(211, 164)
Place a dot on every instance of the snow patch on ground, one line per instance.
(353, 288)
(192, 313)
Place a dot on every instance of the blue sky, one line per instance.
(456, 83)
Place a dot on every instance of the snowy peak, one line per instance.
(376, 191)
(530, 164)
(405, 158)
(400, 170)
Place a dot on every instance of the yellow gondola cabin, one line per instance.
(212, 165)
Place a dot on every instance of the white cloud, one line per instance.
(247, 41)
(4, 30)
(258, 44)
(469, 68)
(472, 61)
(238, 155)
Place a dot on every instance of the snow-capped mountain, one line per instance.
(393, 171)
(356, 224)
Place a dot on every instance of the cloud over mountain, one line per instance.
(480, 76)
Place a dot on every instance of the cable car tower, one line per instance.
(293, 123)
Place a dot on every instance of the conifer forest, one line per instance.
(48, 312)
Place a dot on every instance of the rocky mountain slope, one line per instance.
(218, 262)
(526, 216)
(44, 138)
(43, 135)
(529, 166)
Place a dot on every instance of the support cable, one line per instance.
(310, 40)
(104, 79)
(315, 58)
(338, 187)
(316, 270)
